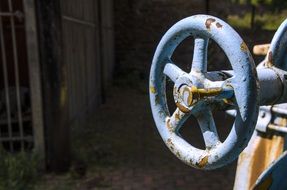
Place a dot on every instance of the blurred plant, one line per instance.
(275, 6)
(267, 21)
(18, 171)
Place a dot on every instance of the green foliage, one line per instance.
(18, 171)
(239, 22)
(266, 21)
(273, 5)
(255, 2)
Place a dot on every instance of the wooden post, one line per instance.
(54, 85)
(35, 80)
(106, 25)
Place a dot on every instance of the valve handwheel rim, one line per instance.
(276, 55)
(195, 94)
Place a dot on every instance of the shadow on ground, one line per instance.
(120, 148)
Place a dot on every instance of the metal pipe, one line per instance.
(8, 139)
(279, 110)
(17, 82)
(17, 14)
(277, 128)
(6, 82)
(7, 14)
(270, 82)
(271, 86)
(16, 70)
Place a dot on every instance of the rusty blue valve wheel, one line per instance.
(277, 52)
(196, 94)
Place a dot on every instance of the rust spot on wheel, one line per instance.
(208, 22)
(168, 125)
(243, 47)
(170, 144)
(202, 162)
(178, 154)
(218, 25)
(152, 89)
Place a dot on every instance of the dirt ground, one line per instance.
(121, 149)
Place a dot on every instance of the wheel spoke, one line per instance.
(199, 62)
(208, 128)
(172, 71)
(232, 101)
(176, 120)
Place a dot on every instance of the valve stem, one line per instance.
(189, 96)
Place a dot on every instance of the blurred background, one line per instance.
(74, 105)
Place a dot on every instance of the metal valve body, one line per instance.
(239, 92)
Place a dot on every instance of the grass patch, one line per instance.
(18, 171)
